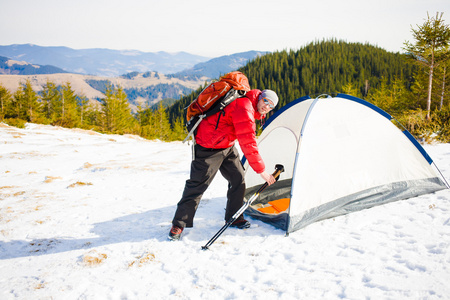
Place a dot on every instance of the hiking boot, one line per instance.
(175, 233)
(241, 224)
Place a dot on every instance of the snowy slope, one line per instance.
(86, 216)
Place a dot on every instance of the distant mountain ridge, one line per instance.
(112, 63)
(221, 65)
(13, 67)
(147, 87)
(102, 62)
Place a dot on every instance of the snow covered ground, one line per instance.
(86, 216)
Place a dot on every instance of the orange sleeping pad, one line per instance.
(276, 206)
(268, 210)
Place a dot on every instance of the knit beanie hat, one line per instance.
(271, 95)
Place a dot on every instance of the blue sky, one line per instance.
(211, 28)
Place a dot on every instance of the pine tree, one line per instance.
(144, 118)
(83, 108)
(25, 104)
(5, 102)
(67, 114)
(92, 116)
(432, 39)
(117, 112)
(50, 97)
(350, 89)
(442, 81)
(161, 124)
(392, 97)
(178, 131)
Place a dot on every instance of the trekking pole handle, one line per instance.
(278, 170)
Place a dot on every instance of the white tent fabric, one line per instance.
(340, 154)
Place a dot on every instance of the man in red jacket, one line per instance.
(215, 150)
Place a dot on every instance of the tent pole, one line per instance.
(445, 180)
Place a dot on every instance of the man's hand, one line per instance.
(267, 178)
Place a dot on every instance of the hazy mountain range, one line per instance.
(110, 63)
(215, 67)
(146, 77)
(101, 62)
(14, 67)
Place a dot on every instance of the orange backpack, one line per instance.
(216, 91)
(214, 98)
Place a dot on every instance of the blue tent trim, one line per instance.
(418, 146)
(368, 104)
(286, 107)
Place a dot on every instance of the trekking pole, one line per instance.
(278, 170)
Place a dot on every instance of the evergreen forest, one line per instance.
(392, 81)
(326, 67)
(389, 80)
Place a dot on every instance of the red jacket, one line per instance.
(238, 122)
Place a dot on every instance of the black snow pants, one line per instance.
(203, 169)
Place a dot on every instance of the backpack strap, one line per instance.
(229, 97)
(218, 119)
(194, 126)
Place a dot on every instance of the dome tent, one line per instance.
(340, 155)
